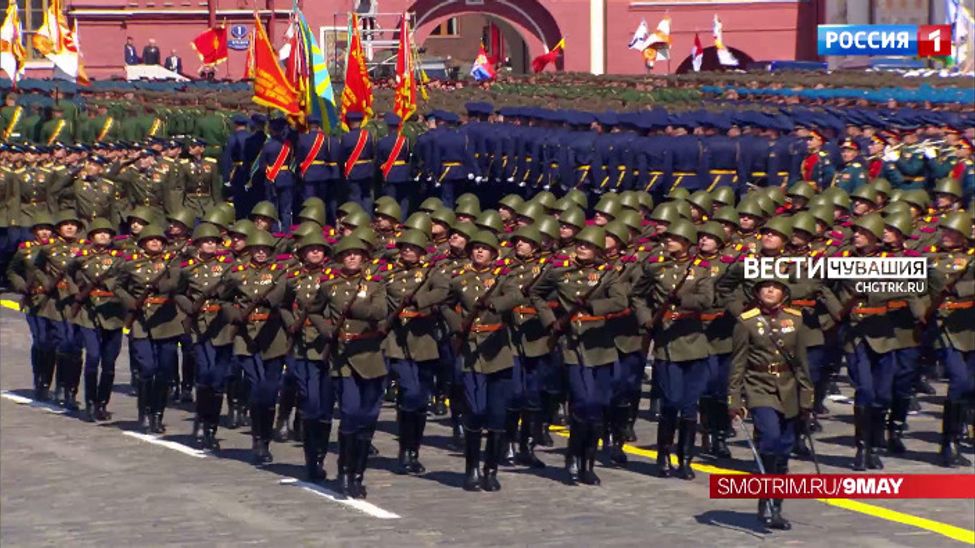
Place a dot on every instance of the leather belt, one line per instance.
(198, 194)
(775, 368)
(611, 316)
(258, 317)
(531, 310)
(870, 311)
(62, 285)
(674, 315)
(896, 305)
(157, 300)
(803, 303)
(349, 337)
(101, 293)
(711, 316)
(410, 314)
(956, 305)
(487, 328)
(211, 308)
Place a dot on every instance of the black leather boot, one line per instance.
(405, 424)
(143, 389)
(72, 379)
(861, 436)
(346, 458)
(620, 417)
(510, 437)
(924, 387)
(298, 426)
(89, 414)
(324, 433)
(685, 447)
(257, 458)
(202, 408)
(952, 428)
(356, 484)
(895, 426)
(545, 418)
(575, 450)
(633, 411)
(777, 521)
(440, 405)
(878, 422)
(267, 425)
(419, 425)
(313, 470)
(106, 381)
(472, 460)
(665, 440)
(654, 412)
(494, 448)
(719, 437)
(527, 439)
(588, 472)
(91, 393)
(158, 407)
(45, 366)
(765, 505)
(705, 405)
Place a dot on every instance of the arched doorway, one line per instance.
(710, 61)
(529, 19)
(456, 39)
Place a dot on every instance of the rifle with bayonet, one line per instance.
(93, 283)
(563, 321)
(137, 311)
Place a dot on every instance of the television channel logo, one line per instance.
(887, 40)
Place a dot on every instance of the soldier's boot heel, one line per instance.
(589, 476)
(765, 512)
(357, 484)
(617, 455)
(685, 448)
(472, 458)
(494, 448)
(346, 455)
(861, 434)
(419, 425)
(895, 439)
(102, 413)
(878, 421)
(89, 415)
(719, 444)
(510, 441)
(665, 440)
(314, 472)
(527, 436)
(573, 461)
(777, 521)
(404, 422)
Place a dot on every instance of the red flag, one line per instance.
(405, 100)
(357, 94)
(211, 46)
(271, 88)
(697, 53)
(539, 63)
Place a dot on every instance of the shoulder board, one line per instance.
(241, 267)
(327, 277)
(132, 257)
(542, 260)
(727, 259)
(657, 259)
(82, 253)
(293, 274)
(375, 261)
(930, 219)
(601, 267)
(928, 229)
(565, 263)
(21, 170)
(374, 278)
(835, 234)
(738, 246)
(933, 249)
(221, 258)
(792, 311)
(82, 241)
(274, 266)
(702, 263)
(390, 266)
(185, 264)
(856, 164)
(25, 245)
(184, 160)
(749, 314)
(57, 168)
(504, 243)
(211, 160)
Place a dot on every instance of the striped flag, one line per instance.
(12, 51)
(725, 57)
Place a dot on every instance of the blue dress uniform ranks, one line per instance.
(358, 152)
(394, 153)
(232, 164)
(276, 162)
(688, 169)
(454, 167)
(251, 175)
(725, 162)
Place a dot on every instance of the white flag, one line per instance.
(725, 57)
(697, 54)
(641, 38)
(12, 51)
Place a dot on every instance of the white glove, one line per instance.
(470, 176)
(930, 153)
(478, 179)
(511, 179)
(891, 156)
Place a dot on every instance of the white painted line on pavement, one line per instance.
(166, 443)
(358, 504)
(23, 400)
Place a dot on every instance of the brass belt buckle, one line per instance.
(773, 369)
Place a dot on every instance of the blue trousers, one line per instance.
(316, 390)
(872, 375)
(487, 397)
(156, 358)
(590, 391)
(212, 364)
(264, 377)
(360, 401)
(681, 385)
(405, 194)
(719, 367)
(283, 198)
(415, 383)
(818, 362)
(43, 335)
(552, 374)
(776, 434)
(627, 378)
(960, 369)
(906, 372)
(526, 383)
(361, 193)
(102, 347)
(69, 338)
(447, 194)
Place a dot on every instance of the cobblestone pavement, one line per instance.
(63, 480)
